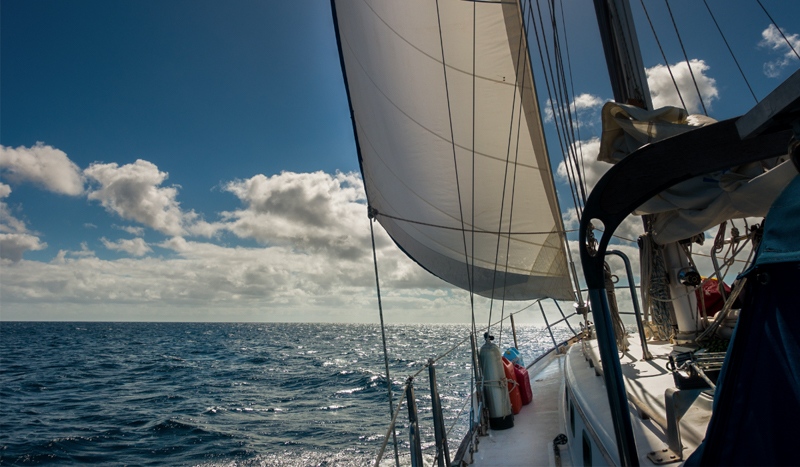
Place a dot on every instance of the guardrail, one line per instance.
(438, 449)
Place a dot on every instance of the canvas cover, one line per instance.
(700, 203)
(757, 400)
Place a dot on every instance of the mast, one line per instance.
(624, 60)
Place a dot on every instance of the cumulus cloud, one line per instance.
(219, 278)
(663, 92)
(591, 169)
(311, 212)
(316, 254)
(134, 192)
(138, 231)
(583, 107)
(8, 222)
(135, 246)
(772, 39)
(15, 239)
(42, 165)
(12, 246)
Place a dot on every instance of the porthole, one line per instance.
(572, 418)
(587, 450)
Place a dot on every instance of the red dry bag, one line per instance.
(513, 387)
(524, 384)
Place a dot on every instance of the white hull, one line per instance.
(569, 397)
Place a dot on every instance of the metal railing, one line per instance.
(419, 449)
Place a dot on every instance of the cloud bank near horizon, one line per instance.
(312, 228)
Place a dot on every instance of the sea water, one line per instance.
(223, 393)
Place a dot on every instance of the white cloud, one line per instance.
(13, 245)
(663, 92)
(591, 169)
(206, 276)
(135, 246)
(134, 192)
(317, 256)
(138, 231)
(84, 252)
(9, 223)
(311, 212)
(584, 109)
(15, 239)
(772, 39)
(43, 165)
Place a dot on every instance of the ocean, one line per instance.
(222, 394)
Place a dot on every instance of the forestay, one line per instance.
(454, 162)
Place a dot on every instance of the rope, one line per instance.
(383, 338)
(377, 213)
(725, 310)
(686, 57)
(655, 293)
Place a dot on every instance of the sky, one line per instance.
(194, 161)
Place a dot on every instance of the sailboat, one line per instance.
(451, 144)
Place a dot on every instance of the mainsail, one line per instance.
(450, 142)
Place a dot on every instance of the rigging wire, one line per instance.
(779, 29)
(664, 56)
(471, 261)
(724, 39)
(562, 81)
(453, 141)
(561, 137)
(523, 46)
(383, 339)
(520, 70)
(686, 57)
(572, 88)
(564, 106)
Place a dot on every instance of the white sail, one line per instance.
(409, 72)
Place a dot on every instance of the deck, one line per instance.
(530, 442)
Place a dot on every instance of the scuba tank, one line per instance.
(495, 390)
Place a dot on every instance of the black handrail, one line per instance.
(626, 186)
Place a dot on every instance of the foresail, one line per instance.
(454, 161)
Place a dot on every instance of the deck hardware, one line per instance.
(559, 440)
(677, 402)
(664, 456)
(646, 355)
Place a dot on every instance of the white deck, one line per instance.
(530, 441)
(646, 381)
(538, 423)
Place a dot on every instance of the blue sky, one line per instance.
(194, 160)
